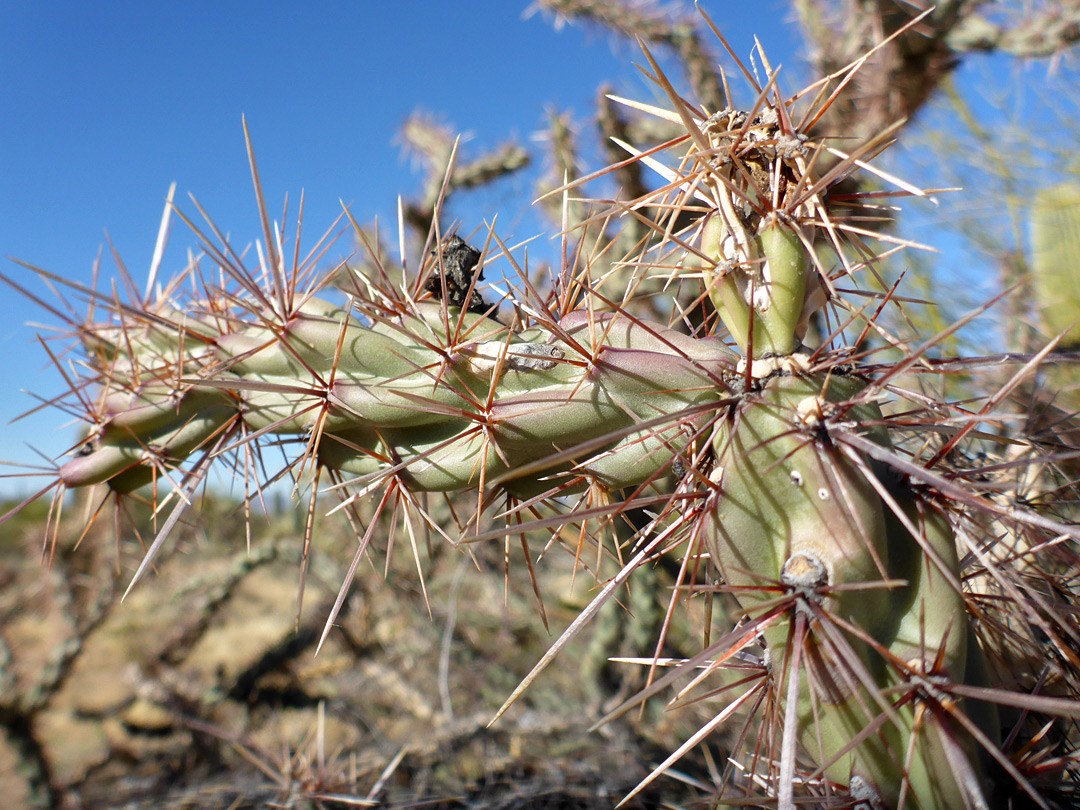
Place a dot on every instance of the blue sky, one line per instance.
(106, 103)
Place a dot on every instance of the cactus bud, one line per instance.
(766, 289)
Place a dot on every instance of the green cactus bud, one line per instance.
(785, 282)
(766, 289)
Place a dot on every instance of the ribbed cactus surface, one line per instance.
(446, 398)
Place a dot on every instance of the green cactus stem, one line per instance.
(492, 403)
(797, 516)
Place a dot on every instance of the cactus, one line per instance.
(881, 589)
(1054, 235)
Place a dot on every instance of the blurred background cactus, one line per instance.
(1055, 241)
(849, 555)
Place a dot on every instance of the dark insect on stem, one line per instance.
(458, 265)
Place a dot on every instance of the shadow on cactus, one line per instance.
(898, 561)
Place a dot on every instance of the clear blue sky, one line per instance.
(106, 103)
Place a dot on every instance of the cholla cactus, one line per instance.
(1054, 234)
(882, 585)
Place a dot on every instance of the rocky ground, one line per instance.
(201, 690)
